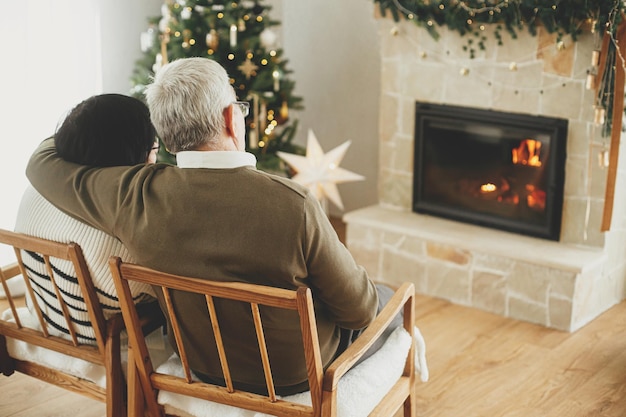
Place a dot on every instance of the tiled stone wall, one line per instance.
(558, 284)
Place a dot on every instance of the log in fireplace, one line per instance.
(491, 168)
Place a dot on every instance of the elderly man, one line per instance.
(216, 217)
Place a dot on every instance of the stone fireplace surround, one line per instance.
(562, 285)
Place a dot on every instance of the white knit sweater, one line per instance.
(37, 217)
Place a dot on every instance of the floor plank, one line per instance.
(483, 365)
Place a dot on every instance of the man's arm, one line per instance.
(89, 194)
(334, 277)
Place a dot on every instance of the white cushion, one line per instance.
(55, 360)
(358, 392)
(159, 351)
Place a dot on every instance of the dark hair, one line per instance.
(106, 130)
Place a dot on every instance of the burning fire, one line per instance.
(536, 198)
(527, 153)
(488, 188)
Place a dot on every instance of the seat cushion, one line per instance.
(68, 364)
(159, 348)
(358, 392)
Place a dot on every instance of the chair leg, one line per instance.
(7, 364)
(115, 384)
(410, 408)
(136, 406)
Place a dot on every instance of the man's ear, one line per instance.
(229, 119)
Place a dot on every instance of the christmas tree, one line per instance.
(238, 35)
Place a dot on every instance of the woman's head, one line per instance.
(106, 130)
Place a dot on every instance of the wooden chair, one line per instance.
(105, 353)
(150, 384)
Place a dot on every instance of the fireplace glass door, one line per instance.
(494, 169)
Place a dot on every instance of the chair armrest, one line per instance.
(374, 331)
(11, 270)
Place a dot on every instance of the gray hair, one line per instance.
(186, 100)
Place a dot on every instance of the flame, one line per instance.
(488, 188)
(536, 198)
(527, 153)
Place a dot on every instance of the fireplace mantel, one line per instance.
(475, 239)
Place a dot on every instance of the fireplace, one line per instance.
(560, 284)
(490, 168)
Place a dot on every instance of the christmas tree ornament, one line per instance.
(268, 38)
(284, 111)
(212, 39)
(241, 25)
(233, 35)
(320, 172)
(164, 24)
(185, 14)
(276, 77)
(158, 63)
(146, 40)
(248, 68)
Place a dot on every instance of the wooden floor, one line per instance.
(480, 365)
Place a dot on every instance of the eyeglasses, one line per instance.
(244, 106)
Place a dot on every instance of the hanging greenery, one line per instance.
(467, 17)
(563, 17)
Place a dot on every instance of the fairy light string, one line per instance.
(560, 17)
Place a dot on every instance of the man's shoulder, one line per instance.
(282, 182)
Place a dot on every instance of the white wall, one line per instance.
(122, 22)
(332, 47)
(56, 54)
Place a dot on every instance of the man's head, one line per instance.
(106, 130)
(191, 103)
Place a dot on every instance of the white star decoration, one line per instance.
(321, 172)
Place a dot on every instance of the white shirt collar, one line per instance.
(214, 159)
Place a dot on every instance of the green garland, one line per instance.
(564, 17)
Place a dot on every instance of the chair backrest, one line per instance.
(256, 296)
(104, 352)
(51, 252)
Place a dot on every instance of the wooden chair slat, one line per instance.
(220, 343)
(6, 273)
(177, 334)
(260, 336)
(66, 314)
